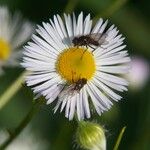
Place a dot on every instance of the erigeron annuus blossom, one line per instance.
(57, 65)
(14, 32)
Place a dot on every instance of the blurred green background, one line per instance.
(55, 132)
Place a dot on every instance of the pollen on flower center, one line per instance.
(75, 63)
(4, 50)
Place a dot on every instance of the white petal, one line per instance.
(39, 49)
(80, 24)
(121, 69)
(35, 79)
(112, 78)
(102, 28)
(69, 26)
(113, 49)
(54, 35)
(94, 101)
(54, 94)
(45, 86)
(113, 60)
(107, 90)
(22, 35)
(112, 85)
(74, 25)
(87, 25)
(58, 28)
(67, 108)
(86, 103)
(105, 102)
(43, 44)
(94, 98)
(72, 107)
(64, 101)
(97, 26)
(38, 57)
(44, 34)
(81, 105)
(78, 107)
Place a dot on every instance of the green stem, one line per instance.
(119, 138)
(111, 9)
(70, 6)
(12, 90)
(22, 125)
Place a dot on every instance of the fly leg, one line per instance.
(84, 51)
(92, 48)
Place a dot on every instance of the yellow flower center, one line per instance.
(75, 63)
(4, 50)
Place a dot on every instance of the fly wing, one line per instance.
(67, 91)
(100, 38)
(95, 36)
(103, 40)
(64, 96)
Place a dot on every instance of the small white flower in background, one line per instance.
(14, 32)
(66, 68)
(90, 136)
(139, 73)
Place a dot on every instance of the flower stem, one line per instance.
(22, 125)
(10, 92)
(119, 138)
(117, 4)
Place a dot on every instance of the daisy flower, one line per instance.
(73, 73)
(13, 33)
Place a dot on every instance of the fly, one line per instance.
(96, 39)
(73, 88)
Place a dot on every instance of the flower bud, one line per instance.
(90, 136)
